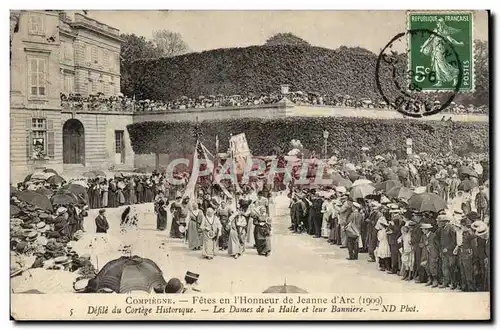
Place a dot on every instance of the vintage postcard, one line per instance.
(249, 165)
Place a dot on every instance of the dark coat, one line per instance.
(446, 239)
(101, 224)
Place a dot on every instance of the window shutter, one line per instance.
(28, 139)
(50, 139)
(51, 144)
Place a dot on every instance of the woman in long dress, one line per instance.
(104, 194)
(236, 245)
(194, 233)
(224, 212)
(211, 229)
(112, 194)
(262, 232)
(326, 212)
(161, 214)
(250, 214)
(383, 251)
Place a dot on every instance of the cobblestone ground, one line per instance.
(298, 259)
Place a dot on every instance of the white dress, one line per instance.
(383, 249)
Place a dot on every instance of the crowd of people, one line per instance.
(447, 246)
(100, 102)
(366, 208)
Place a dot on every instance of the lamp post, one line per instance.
(325, 146)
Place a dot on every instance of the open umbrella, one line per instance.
(464, 170)
(41, 175)
(400, 193)
(49, 170)
(45, 191)
(361, 191)
(99, 173)
(78, 191)
(64, 199)
(35, 199)
(466, 185)
(419, 190)
(55, 179)
(127, 274)
(387, 185)
(427, 202)
(361, 182)
(89, 174)
(284, 289)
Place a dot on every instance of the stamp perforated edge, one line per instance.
(473, 53)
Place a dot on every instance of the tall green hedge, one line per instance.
(258, 69)
(347, 135)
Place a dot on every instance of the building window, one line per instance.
(106, 59)
(36, 25)
(37, 76)
(88, 53)
(62, 53)
(118, 142)
(100, 85)
(69, 84)
(94, 55)
(38, 138)
(68, 51)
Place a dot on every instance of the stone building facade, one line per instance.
(53, 54)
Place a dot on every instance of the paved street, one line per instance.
(301, 260)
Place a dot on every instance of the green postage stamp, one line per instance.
(441, 51)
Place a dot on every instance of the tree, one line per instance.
(169, 43)
(137, 48)
(286, 39)
(133, 48)
(481, 72)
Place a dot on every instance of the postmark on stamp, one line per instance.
(441, 47)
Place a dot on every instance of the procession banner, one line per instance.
(189, 192)
(197, 306)
(240, 151)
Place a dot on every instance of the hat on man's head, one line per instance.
(174, 285)
(61, 210)
(443, 217)
(101, 211)
(192, 276)
(426, 226)
(356, 205)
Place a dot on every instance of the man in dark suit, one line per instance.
(446, 239)
(430, 255)
(101, 223)
(353, 231)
